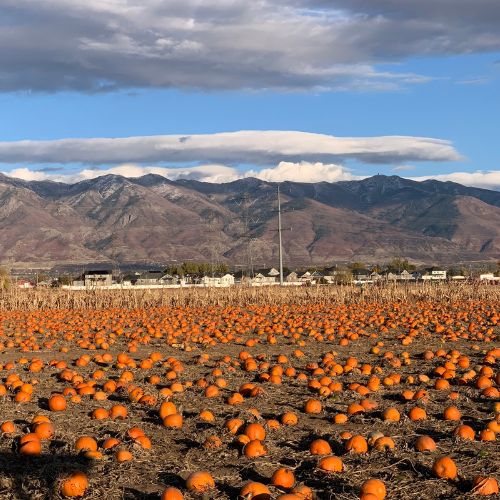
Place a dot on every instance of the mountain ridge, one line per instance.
(155, 219)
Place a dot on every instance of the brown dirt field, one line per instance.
(177, 453)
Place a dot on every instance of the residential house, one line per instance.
(155, 278)
(25, 284)
(130, 279)
(304, 277)
(266, 276)
(290, 277)
(361, 275)
(218, 279)
(434, 273)
(330, 273)
(98, 278)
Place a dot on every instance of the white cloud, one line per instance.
(303, 172)
(403, 168)
(487, 180)
(284, 171)
(202, 173)
(293, 45)
(244, 147)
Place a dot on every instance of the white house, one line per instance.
(225, 280)
(434, 273)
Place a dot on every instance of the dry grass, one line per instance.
(28, 300)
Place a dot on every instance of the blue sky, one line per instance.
(123, 71)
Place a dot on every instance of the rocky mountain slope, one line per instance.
(154, 220)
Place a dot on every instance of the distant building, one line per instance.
(25, 284)
(488, 277)
(434, 273)
(155, 278)
(361, 275)
(225, 280)
(98, 278)
(266, 276)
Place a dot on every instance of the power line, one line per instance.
(280, 230)
(246, 202)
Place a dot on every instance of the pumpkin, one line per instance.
(255, 431)
(425, 443)
(86, 443)
(355, 409)
(289, 419)
(484, 486)
(302, 491)
(330, 464)
(30, 448)
(44, 430)
(174, 420)
(100, 414)
(75, 485)
(172, 494)
(320, 447)
(283, 477)
(233, 425)
(464, 432)
(390, 415)
(57, 402)
(444, 468)
(254, 448)
(110, 443)
(383, 444)
(356, 444)
(417, 414)
(312, 406)
(134, 433)
(118, 412)
(8, 428)
(200, 482)
(123, 456)
(451, 413)
(374, 487)
(212, 442)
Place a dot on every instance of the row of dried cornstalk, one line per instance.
(32, 300)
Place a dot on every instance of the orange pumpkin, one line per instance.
(484, 486)
(255, 491)
(86, 443)
(283, 477)
(320, 447)
(374, 487)
(444, 468)
(254, 448)
(172, 494)
(330, 464)
(75, 485)
(200, 482)
(356, 444)
(425, 443)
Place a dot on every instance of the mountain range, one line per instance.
(152, 220)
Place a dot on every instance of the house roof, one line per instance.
(267, 271)
(130, 277)
(154, 275)
(90, 273)
(331, 269)
(361, 272)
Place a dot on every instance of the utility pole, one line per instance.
(280, 230)
(279, 237)
(245, 218)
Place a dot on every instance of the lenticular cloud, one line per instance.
(244, 147)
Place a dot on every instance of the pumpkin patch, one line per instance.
(304, 399)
